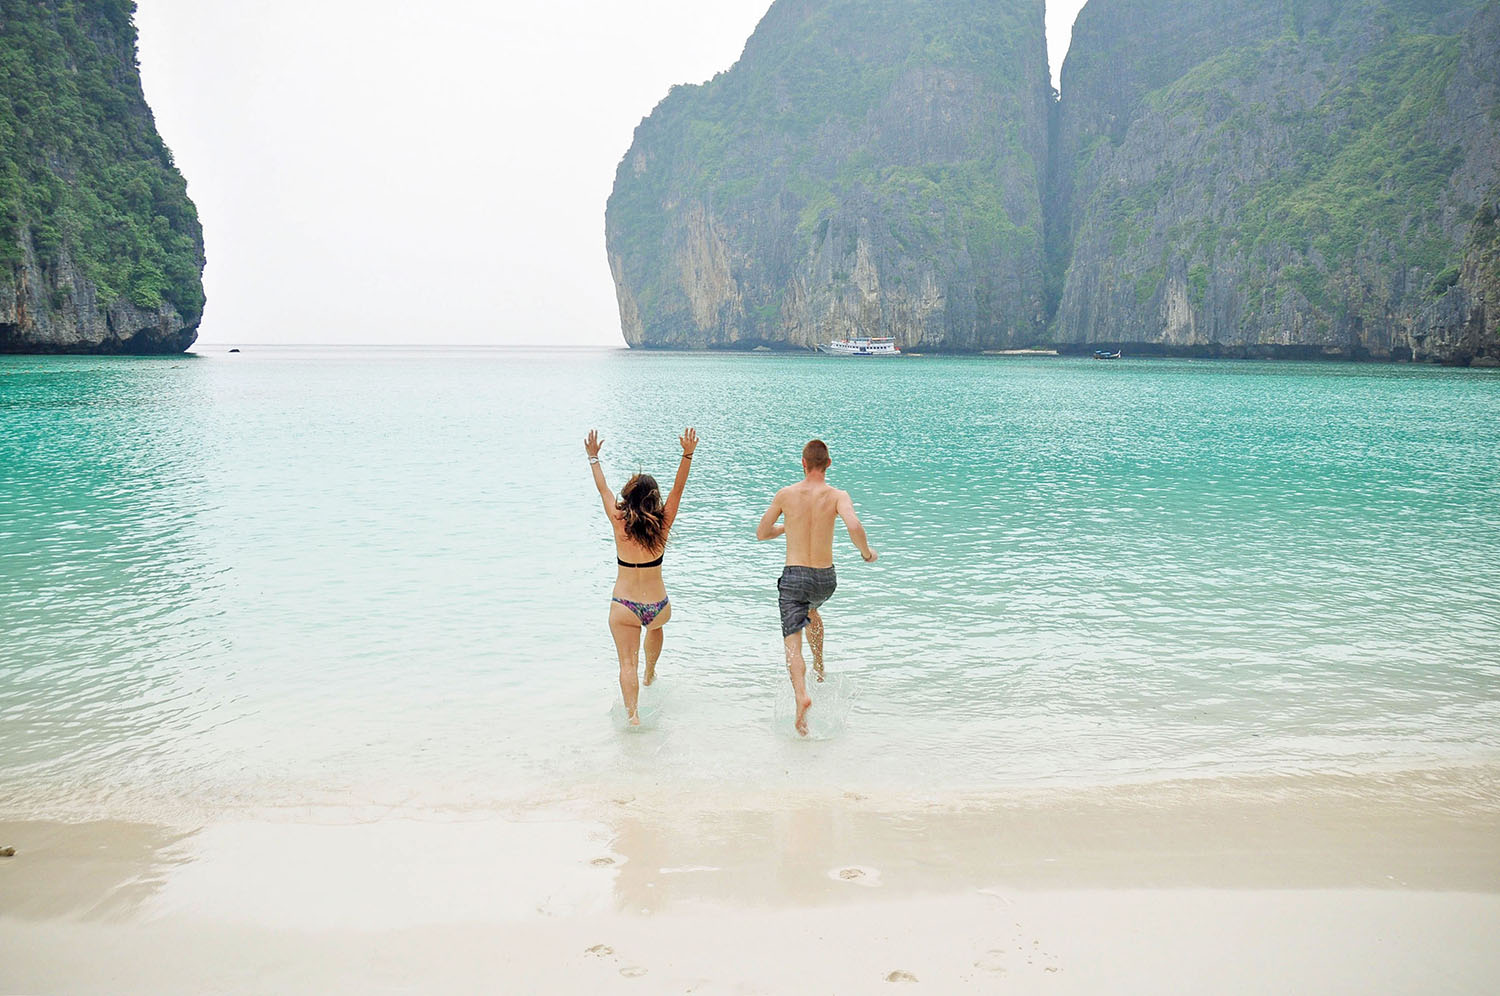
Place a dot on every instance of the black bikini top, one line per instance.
(649, 563)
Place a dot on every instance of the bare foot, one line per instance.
(635, 720)
(802, 706)
(650, 674)
(818, 670)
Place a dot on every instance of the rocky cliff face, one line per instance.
(1463, 323)
(1315, 188)
(1249, 177)
(867, 167)
(100, 248)
(1120, 51)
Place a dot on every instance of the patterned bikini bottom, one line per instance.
(646, 612)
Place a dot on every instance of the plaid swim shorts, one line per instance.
(802, 589)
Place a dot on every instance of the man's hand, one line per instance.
(688, 441)
(593, 443)
(855, 527)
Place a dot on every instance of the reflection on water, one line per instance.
(302, 577)
(110, 631)
(345, 870)
(1407, 831)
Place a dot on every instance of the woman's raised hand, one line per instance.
(689, 441)
(592, 444)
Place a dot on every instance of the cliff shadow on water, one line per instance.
(1297, 178)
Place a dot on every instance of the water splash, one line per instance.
(833, 703)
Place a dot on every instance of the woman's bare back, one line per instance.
(639, 584)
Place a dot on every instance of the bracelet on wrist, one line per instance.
(593, 459)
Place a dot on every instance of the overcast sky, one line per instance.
(385, 171)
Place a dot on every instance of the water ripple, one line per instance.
(301, 576)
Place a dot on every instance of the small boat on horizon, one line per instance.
(861, 346)
(1104, 354)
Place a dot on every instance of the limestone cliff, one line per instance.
(1120, 51)
(1246, 177)
(1317, 187)
(868, 166)
(100, 248)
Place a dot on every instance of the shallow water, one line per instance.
(293, 577)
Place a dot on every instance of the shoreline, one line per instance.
(1259, 352)
(1136, 350)
(1129, 889)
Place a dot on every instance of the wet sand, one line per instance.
(1258, 885)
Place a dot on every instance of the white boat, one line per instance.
(861, 346)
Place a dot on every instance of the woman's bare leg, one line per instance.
(626, 630)
(655, 634)
(654, 639)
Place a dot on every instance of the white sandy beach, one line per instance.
(1259, 885)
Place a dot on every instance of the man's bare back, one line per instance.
(808, 579)
(810, 508)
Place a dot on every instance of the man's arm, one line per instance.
(689, 442)
(856, 528)
(769, 528)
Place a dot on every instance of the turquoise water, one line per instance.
(297, 577)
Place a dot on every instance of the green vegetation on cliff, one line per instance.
(1361, 161)
(886, 157)
(1367, 163)
(1248, 177)
(83, 173)
(1311, 188)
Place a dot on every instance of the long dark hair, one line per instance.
(645, 516)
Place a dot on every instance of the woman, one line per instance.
(641, 522)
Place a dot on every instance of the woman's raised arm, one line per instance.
(689, 442)
(591, 445)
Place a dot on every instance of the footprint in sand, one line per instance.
(600, 950)
(856, 875)
(602, 862)
(632, 971)
(900, 976)
(993, 961)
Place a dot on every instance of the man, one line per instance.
(808, 579)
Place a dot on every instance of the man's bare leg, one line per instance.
(654, 639)
(814, 640)
(797, 667)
